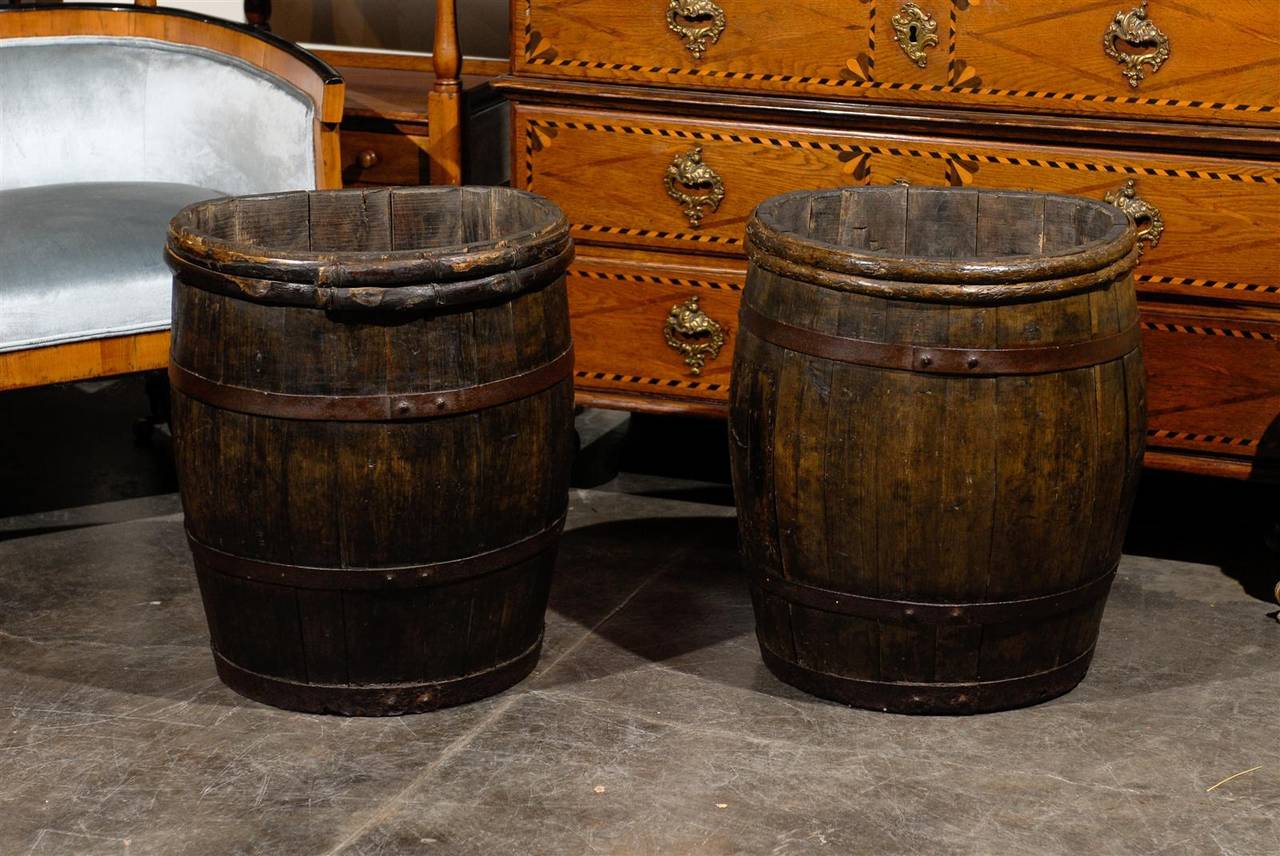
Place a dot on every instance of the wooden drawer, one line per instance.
(1213, 374)
(1223, 61)
(607, 170)
(618, 310)
(394, 157)
(1213, 388)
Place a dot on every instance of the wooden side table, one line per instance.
(392, 134)
(386, 129)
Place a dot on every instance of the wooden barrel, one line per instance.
(373, 419)
(937, 424)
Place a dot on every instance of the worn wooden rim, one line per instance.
(401, 298)
(919, 612)
(546, 239)
(212, 560)
(932, 698)
(941, 359)
(377, 699)
(388, 407)
(772, 246)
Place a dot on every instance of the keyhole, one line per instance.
(699, 18)
(913, 34)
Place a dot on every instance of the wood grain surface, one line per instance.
(889, 517)
(1047, 57)
(329, 540)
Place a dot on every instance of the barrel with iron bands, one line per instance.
(372, 414)
(937, 424)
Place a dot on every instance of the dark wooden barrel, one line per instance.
(937, 424)
(372, 416)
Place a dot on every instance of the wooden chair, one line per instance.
(47, 358)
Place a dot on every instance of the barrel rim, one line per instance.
(545, 239)
(918, 277)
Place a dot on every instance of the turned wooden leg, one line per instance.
(258, 13)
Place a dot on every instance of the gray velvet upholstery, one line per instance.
(85, 261)
(87, 108)
(102, 141)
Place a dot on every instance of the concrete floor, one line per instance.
(650, 726)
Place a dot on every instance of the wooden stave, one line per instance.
(761, 373)
(513, 592)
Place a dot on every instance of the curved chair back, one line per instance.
(102, 93)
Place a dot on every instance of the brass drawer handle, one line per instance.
(693, 334)
(694, 185)
(1142, 211)
(1133, 41)
(367, 159)
(915, 31)
(697, 22)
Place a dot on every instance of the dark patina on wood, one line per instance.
(937, 424)
(372, 412)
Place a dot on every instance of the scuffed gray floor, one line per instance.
(650, 726)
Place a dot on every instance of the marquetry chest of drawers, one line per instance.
(659, 124)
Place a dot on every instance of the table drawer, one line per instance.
(1212, 222)
(1213, 385)
(390, 158)
(1216, 63)
(620, 315)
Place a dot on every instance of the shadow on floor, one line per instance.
(1218, 522)
(73, 445)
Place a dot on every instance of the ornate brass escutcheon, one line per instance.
(694, 185)
(697, 22)
(915, 32)
(1133, 41)
(693, 333)
(1142, 212)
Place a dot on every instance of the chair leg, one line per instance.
(156, 384)
(258, 13)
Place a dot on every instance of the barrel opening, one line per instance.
(929, 223)
(374, 220)
(433, 246)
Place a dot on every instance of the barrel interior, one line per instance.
(940, 223)
(371, 221)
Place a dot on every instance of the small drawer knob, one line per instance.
(693, 334)
(367, 159)
(694, 184)
(1133, 40)
(697, 23)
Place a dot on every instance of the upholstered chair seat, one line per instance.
(103, 139)
(86, 260)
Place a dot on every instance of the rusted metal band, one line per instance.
(914, 612)
(929, 359)
(377, 699)
(209, 559)
(372, 408)
(943, 698)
